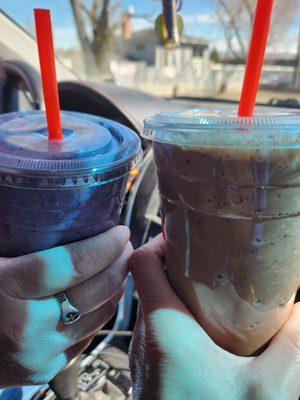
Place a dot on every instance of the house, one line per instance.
(143, 46)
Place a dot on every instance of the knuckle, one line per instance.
(12, 288)
(81, 257)
(16, 280)
(116, 239)
(33, 261)
(137, 257)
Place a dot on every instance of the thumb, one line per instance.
(280, 363)
(152, 284)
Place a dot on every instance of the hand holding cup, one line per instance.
(35, 342)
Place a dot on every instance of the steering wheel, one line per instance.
(20, 87)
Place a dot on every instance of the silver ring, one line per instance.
(69, 313)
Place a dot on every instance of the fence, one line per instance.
(194, 80)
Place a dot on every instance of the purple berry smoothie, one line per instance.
(60, 192)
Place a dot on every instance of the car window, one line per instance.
(116, 40)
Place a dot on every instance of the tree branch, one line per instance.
(228, 36)
(87, 11)
(95, 7)
(250, 11)
(103, 17)
(83, 37)
(85, 42)
(95, 14)
(114, 16)
(233, 25)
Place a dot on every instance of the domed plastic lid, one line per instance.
(270, 127)
(93, 149)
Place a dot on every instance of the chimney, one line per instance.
(126, 26)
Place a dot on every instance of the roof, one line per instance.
(194, 40)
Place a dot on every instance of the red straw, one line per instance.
(260, 32)
(47, 65)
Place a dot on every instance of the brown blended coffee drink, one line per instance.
(230, 191)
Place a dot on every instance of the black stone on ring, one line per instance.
(69, 313)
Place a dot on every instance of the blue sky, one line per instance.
(199, 20)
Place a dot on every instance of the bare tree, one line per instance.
(95, 32)
(236, 18)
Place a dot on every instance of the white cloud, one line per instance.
(199, 19)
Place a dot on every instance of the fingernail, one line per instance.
(297, 310)
(125, 229)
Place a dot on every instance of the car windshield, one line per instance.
(199, 52)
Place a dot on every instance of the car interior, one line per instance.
(103, 367)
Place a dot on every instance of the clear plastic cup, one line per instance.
(54, 193)
(230, 190)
